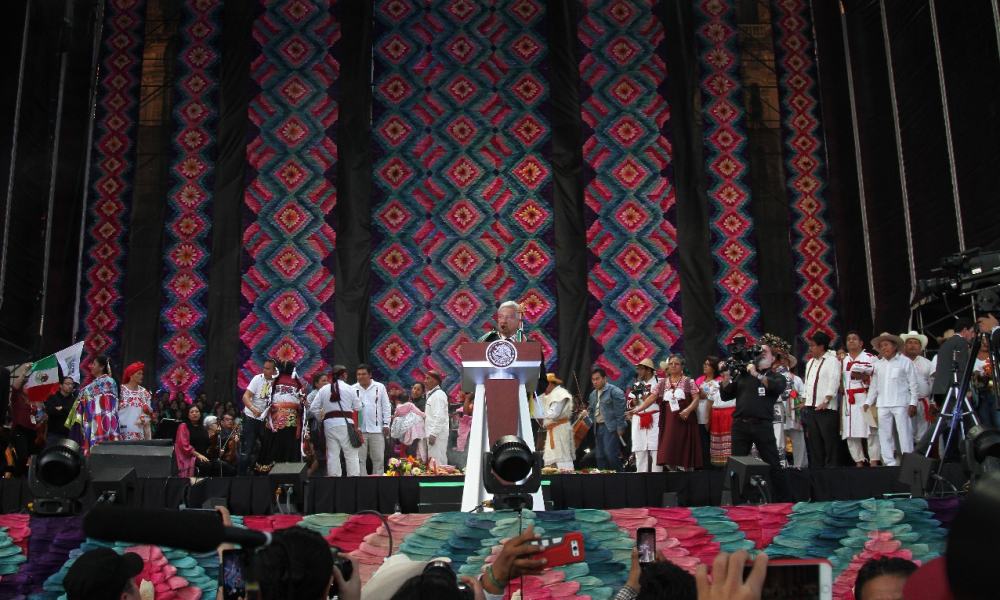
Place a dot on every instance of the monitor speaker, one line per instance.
(746, 478)
(149, 459)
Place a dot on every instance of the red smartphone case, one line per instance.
(559, 551)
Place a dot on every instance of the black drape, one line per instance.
(223, 326)
(143, 262)
(842, 182)
(883, 193)
(567, 193)
(354, 181)
(921, 123)
(972, 72)
(693, 253)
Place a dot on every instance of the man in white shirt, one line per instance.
(436, 419)
(376, 413)
(336, 409)
(858, 366)
(256, 401)
(894, 393)
(646, 424)
(820, 413)
(914, 345)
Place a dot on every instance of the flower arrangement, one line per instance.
(413, 466)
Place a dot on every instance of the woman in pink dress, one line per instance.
(191, 443)
(408, 425)
(680, 442)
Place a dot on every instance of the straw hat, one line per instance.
(885, 335)
(551, 378)
(646, 362)
(913, 335)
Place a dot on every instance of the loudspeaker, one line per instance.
(916, 473)
(746, 476)
(113, 485)
(149, 458)
(291, 477)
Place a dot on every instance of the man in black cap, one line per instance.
(103, 574)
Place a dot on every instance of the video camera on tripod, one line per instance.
(741, 356)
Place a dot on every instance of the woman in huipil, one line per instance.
(680, 442)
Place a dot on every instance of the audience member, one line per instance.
(728, 582)
(883, 578)
(298, 565)
(103, 574)
(656, 580)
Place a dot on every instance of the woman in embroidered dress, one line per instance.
(96, 409)
(134, 408)
(284, 421)
(708, 387)
(408, 425)
(680, 445)
(721, 422)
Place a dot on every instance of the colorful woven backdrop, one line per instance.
(632, 281)
(726, 167)
(188, 228)
(116, 128)
(461, 212)
(805, 164)
(289, 238)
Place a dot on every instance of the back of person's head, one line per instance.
(882, 571)
(971, 549)
(664, 579)
(297, 565)
(438, 581)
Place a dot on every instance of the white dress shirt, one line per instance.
(322, 404)
(436, 411)
(376, 412)
(894, 383)
(925, 371)
(822, 380)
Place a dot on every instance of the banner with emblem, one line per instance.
(69, 361)
(43, 379)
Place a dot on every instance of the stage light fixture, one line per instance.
(57, 478)
(982, 451)
(512, 472)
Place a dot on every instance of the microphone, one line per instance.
(194, 530)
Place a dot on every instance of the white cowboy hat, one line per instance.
(913, 335)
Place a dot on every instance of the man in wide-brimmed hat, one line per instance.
(645, 424)
(557, 404)
(914, 345)
(893, 392)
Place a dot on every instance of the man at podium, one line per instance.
(510, 321)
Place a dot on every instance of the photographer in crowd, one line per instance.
(755, 388)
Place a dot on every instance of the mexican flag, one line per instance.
(43, 379)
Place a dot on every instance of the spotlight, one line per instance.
(982, 451)
(57, 479)
(512, 472)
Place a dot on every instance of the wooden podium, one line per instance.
(503, 375)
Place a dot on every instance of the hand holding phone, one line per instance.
(231, 575)
(559, 551)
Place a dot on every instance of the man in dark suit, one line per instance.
(955, 347)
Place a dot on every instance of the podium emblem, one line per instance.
(501, 354)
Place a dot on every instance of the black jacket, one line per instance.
(942, 376)
(746, 390)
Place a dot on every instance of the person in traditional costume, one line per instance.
(135, 409)
(436, 421)
(857, 368)
(893, 393)
(408, 427)
(721, 421)
(96, 409)
(645, 423)
(556, 405)
(283, 421)
(914, 345)
(680, 444)
(708, 387)
(788, 412)
(313, 437)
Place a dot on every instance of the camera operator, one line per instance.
(756, 388)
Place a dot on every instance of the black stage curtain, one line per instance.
(693, 253)
(28, 201)
(223, 344)
(567, 194)
(921, 121)
(842, 180)
(886, 229)
(354, 182)
(140, 310)
(972, 72)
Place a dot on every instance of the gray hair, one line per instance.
(510, 304)
(210, 420)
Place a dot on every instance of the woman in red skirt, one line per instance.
(680, 441)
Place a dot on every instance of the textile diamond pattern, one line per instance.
(731, 222)
(805, 163)
(289, 237)
(115, 133)
(462, 215)
(188, 228)
(629, 197)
